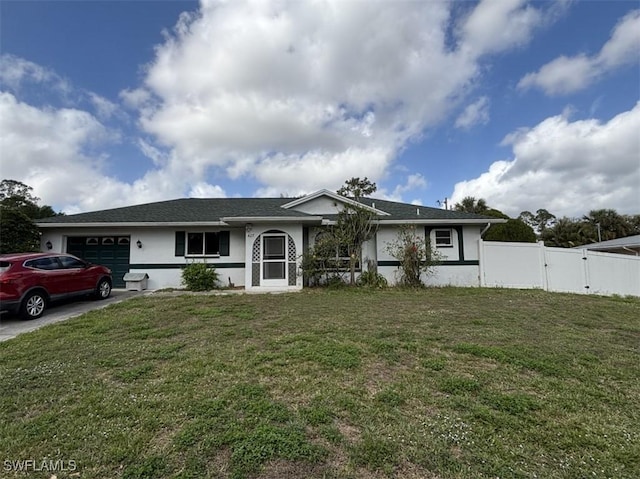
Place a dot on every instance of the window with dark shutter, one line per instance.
(223, 241)
(180, 243)
(214, 243)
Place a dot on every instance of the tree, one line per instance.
(513, 230)
(18, 232)
(469, 204)
(609, 223)
(569, 232)
(598, 225)
(540, 221)
(355, 224)
(356, 188)
(16, 195)
(18, 208)
(633, 224)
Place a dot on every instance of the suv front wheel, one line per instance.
(33, 305)
(103, 290)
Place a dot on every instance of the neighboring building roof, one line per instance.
(618, 243)
(221, 210)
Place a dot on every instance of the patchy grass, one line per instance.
(436, 383)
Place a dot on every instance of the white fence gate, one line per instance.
(532, 265)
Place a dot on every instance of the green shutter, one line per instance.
(180, 240)
(223, 243)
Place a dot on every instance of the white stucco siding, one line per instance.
(471, 236)
(456, 273)
(369, 252)
(387, 235)
(158, 247)
(453, 275)
(158, 250)
(320, 206)
(172, 277)
(444, 275)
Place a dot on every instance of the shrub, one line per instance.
(200, 277)
(415, 255)
(371, 278)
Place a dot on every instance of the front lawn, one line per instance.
(440, 383)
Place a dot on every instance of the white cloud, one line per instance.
(205, 190)
(14, 71)
(58, 153)
(137, 98)
(104, 108)
(498, 25)
(301, 95)
(296, 96)
(570, 74)
(413, 182)
(565, 167)
(477, 113)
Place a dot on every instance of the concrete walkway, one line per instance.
(11, 326)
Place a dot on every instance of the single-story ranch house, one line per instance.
(254, 242)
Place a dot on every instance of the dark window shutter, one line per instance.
(223, 243)
(180, 240)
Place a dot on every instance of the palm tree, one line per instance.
(610, 224)
(470, 205)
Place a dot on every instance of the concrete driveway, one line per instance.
(11, 326)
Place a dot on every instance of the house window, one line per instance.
(203, 244)
(443, 238)
(336, 255)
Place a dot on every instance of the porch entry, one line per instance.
(273, 260)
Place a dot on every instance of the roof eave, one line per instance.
(451, 221)
(272, 219)
(130, 224)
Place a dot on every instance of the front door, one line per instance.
(274, 260)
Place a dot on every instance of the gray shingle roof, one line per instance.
(406, 211)
(628, 241)
(213, 209)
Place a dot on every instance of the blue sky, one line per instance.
(526, 104)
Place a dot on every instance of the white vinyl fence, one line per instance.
(533, 265)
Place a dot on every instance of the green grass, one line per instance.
(436, 383)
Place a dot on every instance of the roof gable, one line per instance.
(325, 202)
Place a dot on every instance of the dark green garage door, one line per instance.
(109, 251)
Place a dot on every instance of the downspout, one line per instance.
(485, 230)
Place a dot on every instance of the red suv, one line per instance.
(29, 281)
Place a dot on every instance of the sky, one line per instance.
(527, 104)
